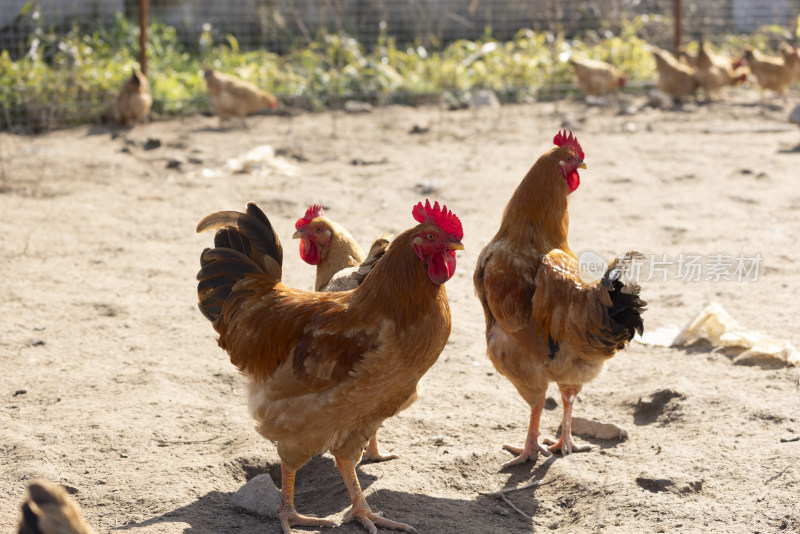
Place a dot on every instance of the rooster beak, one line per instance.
(582, 165)
(455, 246)
(297, 235)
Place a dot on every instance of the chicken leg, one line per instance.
(532, 448)
(373, 454)
(287, 514)
(565, 444)
(361, 509)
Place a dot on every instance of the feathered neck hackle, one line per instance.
(536, 217)
(398, 285)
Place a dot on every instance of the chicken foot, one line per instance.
(532, 448)
(287, 514)
(565, 445)
(373, 454)
(361, 509)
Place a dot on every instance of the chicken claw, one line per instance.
(523, 455)
(372, 520)
(361, 509)
(373, 454)
(290, 518)
(532, 447)
(565, 445)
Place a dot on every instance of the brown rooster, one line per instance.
(49, 509)
(544, 323)
(234, 97)
(134, 101)
(326, 369)
(341, 266)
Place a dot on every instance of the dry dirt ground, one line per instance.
(113, 385)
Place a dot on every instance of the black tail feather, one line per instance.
(250, 233)
(244, 244)
(625, 312)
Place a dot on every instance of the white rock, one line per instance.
(486, 98)
(259, 497)
(794, 116)
(354, 106)
(595, 429)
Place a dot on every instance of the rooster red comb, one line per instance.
(311, 213)
(566, 138)
(441, 217)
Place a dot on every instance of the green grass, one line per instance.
(72, 77)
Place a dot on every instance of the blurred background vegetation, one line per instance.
(62, 76)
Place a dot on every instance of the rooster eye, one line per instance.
(319, 229)
(430, 237)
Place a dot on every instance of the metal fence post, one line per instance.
(677, 26)
(143, 8)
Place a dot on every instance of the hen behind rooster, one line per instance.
(326, 369)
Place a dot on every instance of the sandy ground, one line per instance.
(113, 384)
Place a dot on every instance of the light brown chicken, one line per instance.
(713, 71)
(675, 78)
(771, 72)
(134, 101)
(49, 509)
(341, 266)
(234, 97)
(326, 369)
(791, 57)
(595, 77)
(545, 322)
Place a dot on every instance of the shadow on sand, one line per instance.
(320, 491)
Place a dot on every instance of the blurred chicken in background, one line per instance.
(134, 101)
(714, 71)
(595, 77)
(772, 73)
(234, 97)
(675, 78)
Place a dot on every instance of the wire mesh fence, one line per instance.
(64, 61)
